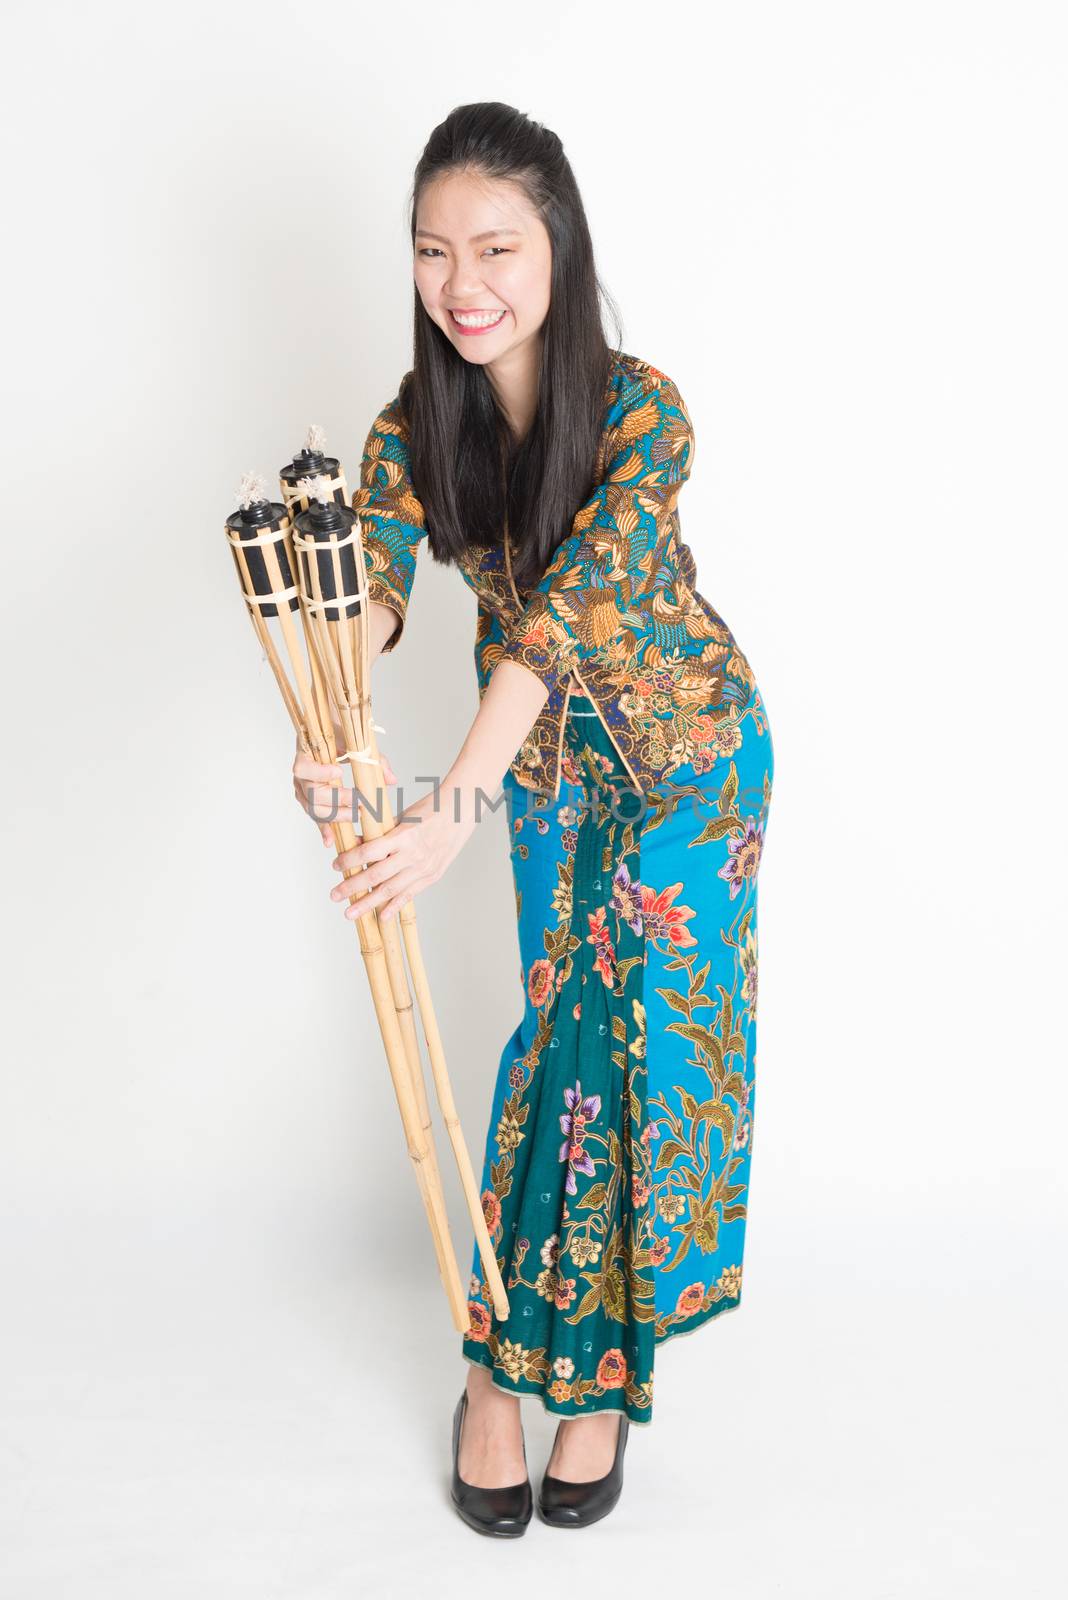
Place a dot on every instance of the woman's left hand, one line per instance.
(413, 855)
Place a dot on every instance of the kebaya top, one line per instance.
(616, 614)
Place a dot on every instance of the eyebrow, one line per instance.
(490, 233)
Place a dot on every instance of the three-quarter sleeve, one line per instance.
(392, 520)
(594, 582)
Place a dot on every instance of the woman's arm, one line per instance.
(384, 623)
(431, 833)
(392, 519)
(514, 696)
(590, 588)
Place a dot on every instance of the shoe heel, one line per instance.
(503, 1513)
(575, 1505)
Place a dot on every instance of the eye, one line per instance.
(428, 251)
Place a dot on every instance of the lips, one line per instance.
(487, 327)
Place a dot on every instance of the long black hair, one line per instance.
(467, 468)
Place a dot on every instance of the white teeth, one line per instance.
(484, 321)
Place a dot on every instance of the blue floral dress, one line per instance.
(616, 1172)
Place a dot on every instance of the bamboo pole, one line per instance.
(262, 558)
(346, 645)
(311, 463)
(340, 587)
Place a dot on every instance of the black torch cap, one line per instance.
(248, 522)
(309, 464)
(325, 523)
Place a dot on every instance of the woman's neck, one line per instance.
(515, 377)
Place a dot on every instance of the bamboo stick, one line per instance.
(260, 547)
(340, 587)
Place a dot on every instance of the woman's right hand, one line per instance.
(315, 783)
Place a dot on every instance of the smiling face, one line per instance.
(482, 266)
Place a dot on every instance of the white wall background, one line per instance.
(227, 1364)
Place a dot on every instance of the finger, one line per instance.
(393, 907)
(398, 887)
(302, 801)
(325, 829)
(301, 791)
(397, 842)
(306, 796)
(360, 882)
(317, 771)
(330, 803)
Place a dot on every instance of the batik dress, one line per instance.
(615, 1180)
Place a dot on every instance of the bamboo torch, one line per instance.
(259, 533)
(313, 464)
(332, 580)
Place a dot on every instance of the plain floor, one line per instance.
(203, 1408)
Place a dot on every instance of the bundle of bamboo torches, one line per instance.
(306, 554)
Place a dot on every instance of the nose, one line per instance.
(464, 280)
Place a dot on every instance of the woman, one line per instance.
(631, 740)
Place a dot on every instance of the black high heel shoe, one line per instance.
(576, 1505)
(505, 1511)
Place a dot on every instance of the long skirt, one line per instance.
(616, 1170)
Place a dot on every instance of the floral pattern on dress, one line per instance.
(616, 1169)
(617, 605)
